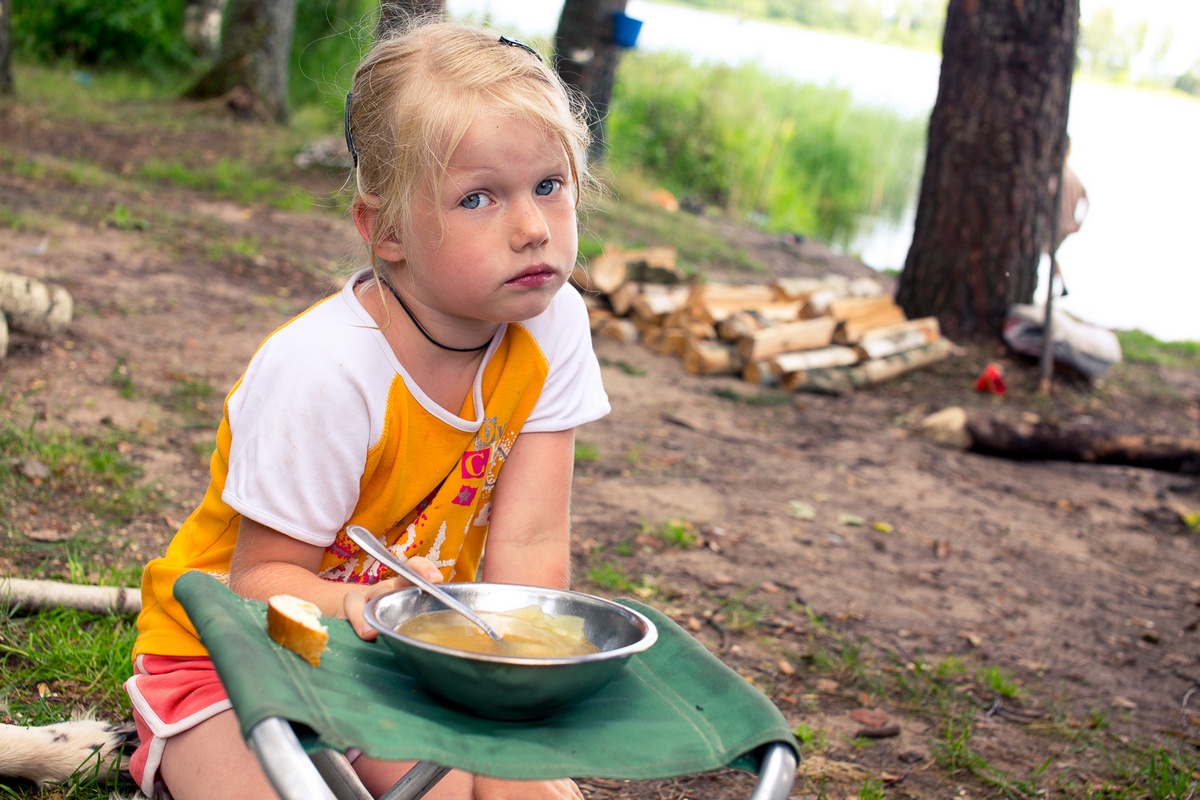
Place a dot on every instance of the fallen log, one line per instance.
(1082, 441)
(26, 595)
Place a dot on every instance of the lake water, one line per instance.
(1134, 264)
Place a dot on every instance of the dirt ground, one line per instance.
(1078, 581)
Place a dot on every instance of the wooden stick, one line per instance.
(39, 595)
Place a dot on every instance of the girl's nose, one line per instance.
(530, 228)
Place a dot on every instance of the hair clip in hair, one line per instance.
(522, 45)
(349, 137)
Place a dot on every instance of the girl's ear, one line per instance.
(365, 219)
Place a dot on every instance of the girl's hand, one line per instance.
(356, 599)
(496, 789)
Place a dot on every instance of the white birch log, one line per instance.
(33, 306)
(39, 595)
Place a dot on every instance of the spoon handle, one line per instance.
(364, 539)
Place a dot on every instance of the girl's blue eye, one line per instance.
(475, 200)
(546, 187)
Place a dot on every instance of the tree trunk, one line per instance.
(7, 87)
(256, 42)
(587, 58)
(394, 13)
(997, 136)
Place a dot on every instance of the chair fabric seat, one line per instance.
(673, 710)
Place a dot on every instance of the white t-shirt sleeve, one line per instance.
(574, 392)
(302, 423)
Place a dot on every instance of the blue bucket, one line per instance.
(625, 29)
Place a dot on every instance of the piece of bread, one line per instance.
(296, 624)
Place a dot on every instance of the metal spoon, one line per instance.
(364, 539)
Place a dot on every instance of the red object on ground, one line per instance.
(990, 380)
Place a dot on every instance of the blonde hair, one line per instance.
(417, 92)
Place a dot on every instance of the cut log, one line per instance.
(851, 331)
(840, 380)
(786, 337)
(33, 306)
(870, 347)
(845, 308)
(773, 371)
(885, 369)
(613, 268)
(803, 288)
(653, 265)
(739, 324)
(711, 358)
(622, 330)
(27, 595)
(769, 312)
(820, 358)
(656, 306)
(3, 337)
(622, 300)
(741, 295)
(928, 325)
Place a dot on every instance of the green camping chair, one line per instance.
(674, 710)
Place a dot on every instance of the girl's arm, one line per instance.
(529, 531)
(267, 562)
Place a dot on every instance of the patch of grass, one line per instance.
(123, 219)
(999, 681)
(55, 469)
(611, 578)
(227, 179)
(737, 613)
(1140, 347)
(55, 658)
(764, 399)
(678, 533)
(624, 366)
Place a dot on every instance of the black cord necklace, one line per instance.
(424, 332)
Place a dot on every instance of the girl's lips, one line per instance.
(536, 276)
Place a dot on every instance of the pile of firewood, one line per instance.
(831, 334)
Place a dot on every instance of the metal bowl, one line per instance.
(507, 687)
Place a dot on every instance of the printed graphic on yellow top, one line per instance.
(448, 527)
(456, 470)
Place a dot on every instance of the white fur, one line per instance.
(53, 753)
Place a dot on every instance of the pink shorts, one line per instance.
(170, 696)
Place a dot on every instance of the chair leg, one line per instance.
(417, 782)
(342, 779)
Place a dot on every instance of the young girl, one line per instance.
(432, 400)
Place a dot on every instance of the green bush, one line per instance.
(102, 33)
(795, 156)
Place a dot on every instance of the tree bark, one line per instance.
(393, 14)
(7, 87)
(1081, 441)
(586, 58)
(256, 42)
(997, 136)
